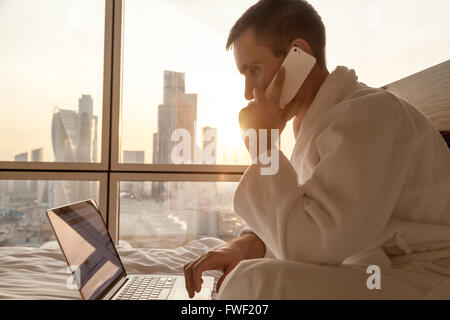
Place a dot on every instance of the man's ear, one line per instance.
(302, 44)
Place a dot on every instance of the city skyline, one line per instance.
(75, 134)
(55, 52)
(380, 40)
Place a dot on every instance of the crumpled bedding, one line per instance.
(42, 273)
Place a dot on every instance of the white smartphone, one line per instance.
(297, 64)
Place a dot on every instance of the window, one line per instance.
(23, 203)
(93, 91)
(176, 81)
(184, 88)
(51, 75)
(168, 214)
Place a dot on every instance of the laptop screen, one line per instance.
(88, 247)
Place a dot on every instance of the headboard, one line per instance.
(429, 91)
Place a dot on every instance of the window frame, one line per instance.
(116, 178)
(102, 178)
(106, 107)
(109, 171)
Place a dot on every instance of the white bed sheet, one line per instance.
(41, 273)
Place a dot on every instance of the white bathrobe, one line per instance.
(368, 182)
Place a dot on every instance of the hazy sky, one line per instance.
(52, 52)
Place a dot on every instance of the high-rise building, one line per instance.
(85, 108)
(74, 137)
(65, 135)
(74, 133)
(37, 154)
(21, 157)
(178, 111)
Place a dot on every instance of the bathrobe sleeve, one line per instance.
(268, 253)
(345, 205)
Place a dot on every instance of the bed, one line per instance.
(42, 273)
(428, 90)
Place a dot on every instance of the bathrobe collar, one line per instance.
(332, 91)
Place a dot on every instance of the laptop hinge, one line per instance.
(114, 289)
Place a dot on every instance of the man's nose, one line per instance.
(248, 90)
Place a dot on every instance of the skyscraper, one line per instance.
(178, 111)
(85, 106)
(65, 134)
(37, 154)
(21, 156)
(74, 134)
(74, 138)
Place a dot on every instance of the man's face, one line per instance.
(255, 61)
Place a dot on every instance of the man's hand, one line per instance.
(265, 112)
(225, 258)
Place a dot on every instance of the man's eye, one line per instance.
(253, 70)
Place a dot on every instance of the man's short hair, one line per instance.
(278, 22)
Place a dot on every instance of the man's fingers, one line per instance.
(188, 278)
(258, 94)
(275, 93)
(208, 262)
(193, 272)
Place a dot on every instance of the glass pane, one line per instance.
(170, 214)
(176, 73)
(51, 80)
(23, 203)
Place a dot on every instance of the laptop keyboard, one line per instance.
(146, 288)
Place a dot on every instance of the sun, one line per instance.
(231, 145)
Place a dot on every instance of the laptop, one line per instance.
(96, 266)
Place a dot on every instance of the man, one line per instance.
(367, 188)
